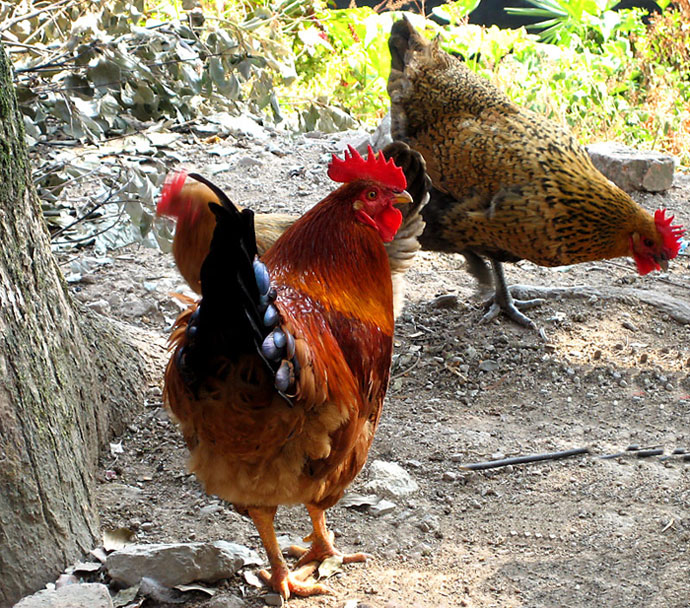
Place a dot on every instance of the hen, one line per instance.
(509, 184)
(189, 203)
(278, 374)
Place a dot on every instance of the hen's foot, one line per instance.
(511, 308)
(320, 550)
(502, 301)
(287, 583)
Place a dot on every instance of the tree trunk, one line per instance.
(66, 382)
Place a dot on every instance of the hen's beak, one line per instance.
(664, 264)
(402, 198)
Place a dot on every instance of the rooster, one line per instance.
(189, 204)
(509, 184)
(278, 374)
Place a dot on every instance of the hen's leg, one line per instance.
(321, 542)
(502, 301)
(281, 580)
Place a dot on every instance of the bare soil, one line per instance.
(579, 532)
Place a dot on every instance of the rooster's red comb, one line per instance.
(171, 190)
(669, 233)
(375, 167)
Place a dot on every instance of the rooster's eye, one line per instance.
(649, 243)
(371, 195)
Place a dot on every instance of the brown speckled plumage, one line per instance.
(508, 183)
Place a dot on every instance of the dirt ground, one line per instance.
(579, 532)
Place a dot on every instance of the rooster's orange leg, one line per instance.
(321, 543)
(281, 580)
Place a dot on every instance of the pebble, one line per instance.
(488, 365)
(273, 599)
(100, 306)
(232, 601)
(248, 161)
(383, 507)
(446, 301)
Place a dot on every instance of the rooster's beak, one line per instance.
(402, 198)
(663, 264)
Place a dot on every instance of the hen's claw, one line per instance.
(511, 309)
(287, 583)
(319, 552)
(502, 301)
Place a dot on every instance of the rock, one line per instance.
(102, 307)
(632, 169)
(446, 301)
(226, 601)
(248, 161)
(180, 563)
(429, 523)
(382, 507)
(390, 480)
(488, 365)
(273, 599)
(139, 308)
(87, 595)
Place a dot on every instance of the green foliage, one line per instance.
(578, 23)
(609, 76)
(342, 60)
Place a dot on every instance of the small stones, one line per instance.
(382, 507)
(445, 302)
(273, 599)
(488, 365)
(389, 479)
(628, 325)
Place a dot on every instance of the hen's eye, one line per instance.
(649, 243)
(371, 195)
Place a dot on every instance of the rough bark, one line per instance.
(66, 382)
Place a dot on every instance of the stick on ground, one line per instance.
(493, 464)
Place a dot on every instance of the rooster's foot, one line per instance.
(287, 583)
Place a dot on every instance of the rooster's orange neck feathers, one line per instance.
(331, 257)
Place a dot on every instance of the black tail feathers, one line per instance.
(236, 314)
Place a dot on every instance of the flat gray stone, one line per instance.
(86, 595)
(390, 480)
(632, 169)
(180, 563)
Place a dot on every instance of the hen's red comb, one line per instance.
(171, 190)
(375, 167)
(669, 233)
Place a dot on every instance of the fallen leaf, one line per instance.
(117, 538)
(196, 587)
(330, 566)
